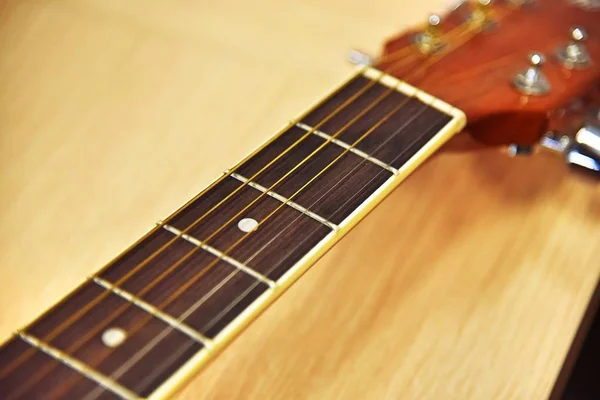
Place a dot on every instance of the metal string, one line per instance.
(42, 372)
(74, 317)
(142, 352)
(373, 82)
(406, 50)
(94, 301)
(195, 306)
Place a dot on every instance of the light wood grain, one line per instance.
(466, 283)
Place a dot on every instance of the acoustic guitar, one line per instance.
(496, 79)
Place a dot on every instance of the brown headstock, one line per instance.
(484, 46)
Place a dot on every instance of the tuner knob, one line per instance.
(430, 40)
(589, 138)
(586, 162)
(482, 14)
(574, 55)
(532, 81)
(576, 155)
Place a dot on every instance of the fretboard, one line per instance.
(147, 321)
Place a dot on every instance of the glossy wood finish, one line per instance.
(431, 299)
(473, 72)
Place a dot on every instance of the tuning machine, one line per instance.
(481, 15)
(574, 55)
(581, 151)
(532, 81)
(430, 39)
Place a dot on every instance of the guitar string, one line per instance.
(362, 163)
(375, 81)
(73, 318)
(189, 283)
(146, 349)
(98, 298)
(149, 346)
(406, 50)
(273, 185)
(103, 324)
(450, 37)
(435, 57)
(142, 352)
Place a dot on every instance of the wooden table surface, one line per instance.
(468, 282)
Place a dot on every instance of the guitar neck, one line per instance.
(147, 321)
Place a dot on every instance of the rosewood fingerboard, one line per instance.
(141, 325)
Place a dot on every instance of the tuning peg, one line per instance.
(430, 40)
(574, 54)
(532, 81)
(575, 154)
(482, 14)
(589, 137)
(578, 158)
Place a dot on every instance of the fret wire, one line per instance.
(73, 318)
(82, 311)
(215, 319)
(324, 194)
(149, 308)
(237, 300)
(222, 256)
(199, 275)
(193, 280)
(283, 199)
(308, 157)
(138, 356)
(123, 308)
(80, 367)
(76, 345)
(103, 324)
(330, 189)
(326, 167)
(183, 316)
(354, 150)
(212, 264)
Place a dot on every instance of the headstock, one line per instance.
(472, 57)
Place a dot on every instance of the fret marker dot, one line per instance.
(114, 337)
(247, 225)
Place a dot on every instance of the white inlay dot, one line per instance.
(113, 337)
(247, 225)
